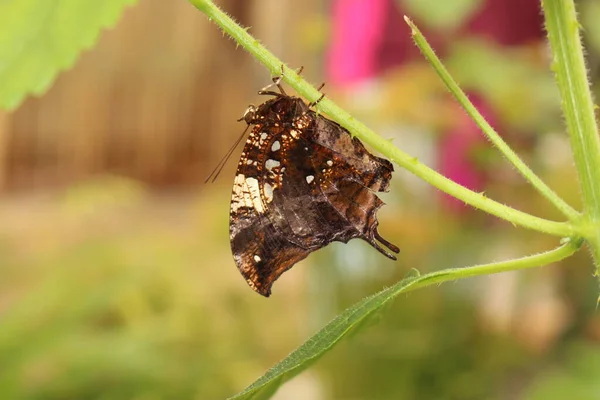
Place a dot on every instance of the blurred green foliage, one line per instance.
(574, 377)
(108, 291)
(441, 15)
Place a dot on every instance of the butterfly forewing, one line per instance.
(302, 182)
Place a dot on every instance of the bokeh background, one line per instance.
(117, 280)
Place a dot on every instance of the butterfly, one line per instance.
(302, 182)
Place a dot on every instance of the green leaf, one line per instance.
(575, 378)
(358, 316)
(40, 38)
(345, 323)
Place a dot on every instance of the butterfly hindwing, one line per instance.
(302, 182)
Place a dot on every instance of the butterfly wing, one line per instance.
(301, 183)
(263, 216)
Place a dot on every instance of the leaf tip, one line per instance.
(409, 22)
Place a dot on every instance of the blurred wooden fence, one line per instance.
(157, 99)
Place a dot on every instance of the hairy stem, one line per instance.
(486, 128)
(351, 319)
(536, 260)
(478, 200)
(578, 108)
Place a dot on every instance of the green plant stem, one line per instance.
(537, 260)
(486, 128)
(478, 200)
(578, 107)
(353, 317)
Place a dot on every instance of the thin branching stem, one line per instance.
(385, 147)
(486, 128)
(350, 319)
(578, 108)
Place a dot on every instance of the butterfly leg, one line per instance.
(276, 82)
(314, 103)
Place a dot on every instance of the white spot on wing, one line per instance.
(254, 194)
(329, 162)
(276, 146)
(309, 178)
(270, 164)
(240, 197)
(257, 258)
(263, 136)
(246, 193)
(268, 191)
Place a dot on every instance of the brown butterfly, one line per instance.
(302, 182)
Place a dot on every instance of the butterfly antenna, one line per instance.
(215, 173)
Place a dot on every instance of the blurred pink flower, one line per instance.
(370, 36)
(508, 22)
(355, 33)
(457, 156)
